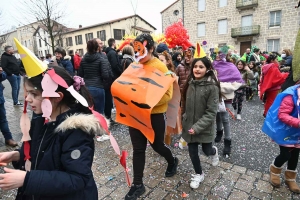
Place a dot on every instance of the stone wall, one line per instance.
(261, 15)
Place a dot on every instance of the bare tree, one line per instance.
(48, 14)
(134, 20)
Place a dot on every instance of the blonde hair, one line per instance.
(128, 50)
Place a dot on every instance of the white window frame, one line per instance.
(220, 32)
(201, 5)
(223, 3)
(274, 22)
(273, 47)
(202, 26)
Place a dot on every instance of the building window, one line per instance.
(222, 3)
(273, 45)
(69, 41)
(201, 29)
(25, 43)
(119, 34)
(59, 42)
(80, 52)
(29, 44)
(201, 5)
(45, 42)
(45, 52)
(40, 42)
(222, 26)
(88, 37)
(275, 18)
(101, 35)
(78, 39)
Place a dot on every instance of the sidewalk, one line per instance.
(226, 181)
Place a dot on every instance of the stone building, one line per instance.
(270, 25)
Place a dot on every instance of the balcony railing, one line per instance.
(243, 4)
(245, 31)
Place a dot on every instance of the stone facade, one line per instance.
(286, 32)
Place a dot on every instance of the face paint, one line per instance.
(140, 50)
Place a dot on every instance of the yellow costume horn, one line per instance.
(199, 52)
(33, 66)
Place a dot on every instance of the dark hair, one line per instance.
(254, 69)
(48, 56)
(256, 50)
(92, 46)
(7, 47)
(271, 58)
(68, 99)
(71, 52)
(146, 37)
(168, 58)
(209, 73)
(111, 41)
(243, 63)
(61, 51)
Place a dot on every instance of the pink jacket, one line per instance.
(285, 110)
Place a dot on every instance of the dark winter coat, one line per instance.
(10, 64)
(114, 61)
(95, 69)
(182, 72)
(66, 63)
(175, 61)
(62, 154)
(201, 106)
(126, 61)
(290, 79)
(2, 78)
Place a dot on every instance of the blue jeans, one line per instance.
(98, 95)
(14, 81)
(4, 124)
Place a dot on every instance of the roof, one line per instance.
(111, 22)
(169, 6)
(55, 28)
(141, 29)
(8, 33)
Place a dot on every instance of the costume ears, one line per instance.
(199, 53)
(33, 66)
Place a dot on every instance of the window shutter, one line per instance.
(222, 3)
(222, 26)
(201, 5)
(201, 29)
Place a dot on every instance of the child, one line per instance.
(253, 83)
(61, 150)
(282, 125)
(201, 97)
(239, 94)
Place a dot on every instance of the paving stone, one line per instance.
(174, 196)
(213, 197)
(170, 183)
(253, 173)
(266, 177)
(148, 190)
(264, 186)
(104, 191)
(120, 192)
(231, 175)
(225, 165)
(244, 185)
(223, 188)
(238, 195)
(283, 189)
(260, 195)
(239, 169)
(276, 195)
(295, 196)
(203, 189)
(157, 193)
(184, 187)
(248, 178)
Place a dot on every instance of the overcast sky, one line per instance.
(88, 12)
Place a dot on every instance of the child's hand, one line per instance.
(191, 131)
(247, 68)
(12, 179)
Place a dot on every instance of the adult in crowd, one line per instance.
(177, 58)
(287, 56)
(71, 54)
(161, 48)
(95, 74)
(3, 121)
(12, 68)
(255, 57)
(183, 69)
(128, 56)
(63, 60)
(77, 60)
(49, 58)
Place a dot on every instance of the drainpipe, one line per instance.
(183, 12)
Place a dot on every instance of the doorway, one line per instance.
(244, 46)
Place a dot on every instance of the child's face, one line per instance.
(162, 58)
(199, 70)
(240, 66)
(34, 99)
(251, 65)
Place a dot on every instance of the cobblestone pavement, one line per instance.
(242, 176)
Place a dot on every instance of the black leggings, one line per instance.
(193, 151)
(139, 143)
(108, 104)
(287, 154)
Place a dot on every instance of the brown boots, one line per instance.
(290, 180)
(275, 175)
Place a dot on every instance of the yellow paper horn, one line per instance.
(33, 66)
(199, 52)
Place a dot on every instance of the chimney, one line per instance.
(80, 26)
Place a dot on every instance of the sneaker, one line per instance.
(238, 117)
(172, 169)
(215, 158)
(196, 180)
(102, 138)
(135, 192)
(113, 110)
(18, 104)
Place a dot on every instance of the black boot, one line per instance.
(172, 169)
(219, 136)
(227, 147)
(135, 192)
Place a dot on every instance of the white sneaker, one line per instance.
(215, 158)
(102, 138)
(196, 180)
(238, 117)
(113, 110)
